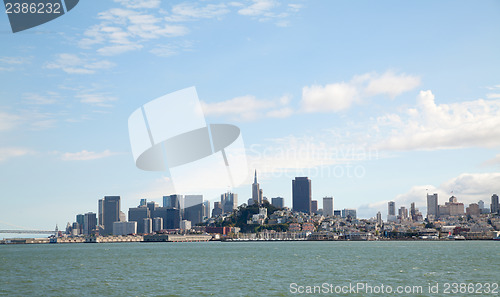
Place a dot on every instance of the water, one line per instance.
(242, 268)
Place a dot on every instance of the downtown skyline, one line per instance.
(374, 102)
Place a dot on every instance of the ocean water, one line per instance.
(251, 269)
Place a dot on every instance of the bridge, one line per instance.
(27, 231)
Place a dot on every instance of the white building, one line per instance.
(124, 228)
(328, 206)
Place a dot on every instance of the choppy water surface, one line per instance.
(249, 268)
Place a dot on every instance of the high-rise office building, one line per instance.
(229, 202)
(349, 213)
(157, 224)
(110, 212)
(138, 214)
(481, 205)
(100, 207)
(379, 219)
(495, 207)
(403, 213)
(256, 191)
(148, 226)
(279, 202)
(301, 194)
(314, 206)
(328, 206)
(432, 206)
(193, 208)
(206, 209)
(391, 208)
(89, 223)
(80, 219)
(173, 201)
(144, 201)
(173, 220)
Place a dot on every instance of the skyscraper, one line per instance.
(138, 214)
(99, 211)
(301, 194)
(111, 213)
(432, 205)
(314, 206)
(172, 201)
(206, 208)
(328, 206)
(391, 211)
(256, 191)
(495, 208)
(278, 202)
(193, 208)
(229, 201)
(90, 223)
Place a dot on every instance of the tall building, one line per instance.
(279, 202)
(217, 211)
(403, 213)
(379, 219)
(495, 207)
(138, 214)
(144, 201)
(148, 226)
(256, 191)
(229, 202)
(111, 213)
(124, 228)
(314, 206)
(349, 212)
(157, 224)
(328, 206)
(173, 201)
(391, 211)
(100, 215)
(432, 205)
(301, 194)
(80, 219)
(193, 208)
(481, 205)
(473, 210)
(206, 209)
(89, 223)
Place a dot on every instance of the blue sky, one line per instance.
(375, 101)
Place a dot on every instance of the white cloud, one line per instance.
(98, 99)
(440, 126)
(269, 10)
(493, 161)
(41, 99)
(190, 11)
(86, 155)
(15, 60)
(140, 3)
(467, 187)
(332, 97)
(248, 108)
(12, 152)
(391, 84)
(341, 96)
(258, 7)
(123, 30)
(73, 64)
(8, 121)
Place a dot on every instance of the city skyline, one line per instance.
(374, 103)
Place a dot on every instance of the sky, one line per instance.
(372, 100)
